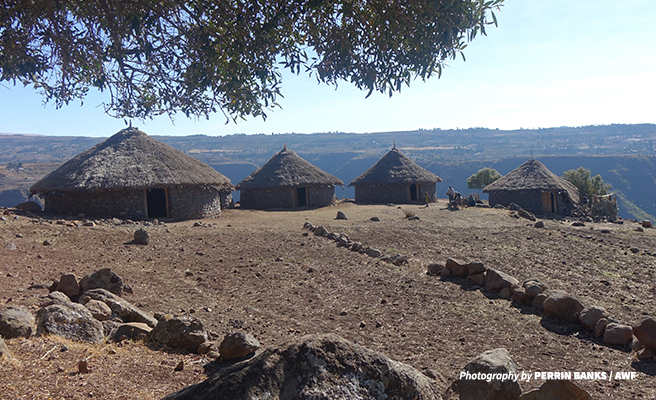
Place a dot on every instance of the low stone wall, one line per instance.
(283, 197)
(120, 203)
(399, 194)
(531, 200)
(191, 202)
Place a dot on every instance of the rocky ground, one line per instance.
(261, 272)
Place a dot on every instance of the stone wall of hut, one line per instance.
(532, 200)
(191, 202)
(184, 202)
(285, 197)
(400, 193)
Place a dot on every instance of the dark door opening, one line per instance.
(554, 209)
(301, 196)
(156, 201)
(413, 192)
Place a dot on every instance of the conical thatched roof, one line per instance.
(532, 175)
(286, 168)
(395, 167)
(132, 159)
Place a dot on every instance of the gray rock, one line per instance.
(130, 330)
(618, 334)
(375, 219)
(495, 361)
(557, 390)
(72, 321)
(589, 316)
(141, 236)
(600, 327)
(457, 268)
(374, 253)
(539, 224)
(320, 231)
(99, 310)
(477, 279)
(314, 367)
(475, 268)
(341, 215)
(238, 345)
(538, 301)
(398, 259)
(434, 268)
(4, 350)
(646, 223)
(68, 285)
(10, 246)
(562, 305)
(16, 322)
(525, 214)
(120, 307)
(356, 246)
(57, 297)
(181, 332)
(102, 279)
(645, 331)
(497, 280)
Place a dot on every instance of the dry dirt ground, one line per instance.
(257, 271)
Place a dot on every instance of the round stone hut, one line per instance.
(287, 181)
(395, 179)
(534, 188)
(131, 175)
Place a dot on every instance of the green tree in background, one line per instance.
(200, 57)
(588, 186)
(483, 178)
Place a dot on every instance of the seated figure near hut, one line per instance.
(534, 188)
(287, 181)
(133, 176)
(394, 179)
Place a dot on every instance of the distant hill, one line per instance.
(624, 155)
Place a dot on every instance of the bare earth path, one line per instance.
(257, 271)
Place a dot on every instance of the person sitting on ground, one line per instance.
(472, 201)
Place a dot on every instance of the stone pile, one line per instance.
(343, 240)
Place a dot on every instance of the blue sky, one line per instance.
(549, 63)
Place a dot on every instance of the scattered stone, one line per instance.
(646, 353)
(525, 214)
(475, 268)
(557, 390)
(83, 367)
(534, 287)
(477, 279)
(589, 316)
(497, 280)
(180, 366)
(315, 367)
(131, 330)
(434, 268)
(600, 327)
(520, 296)
(539, 224)
(341, 215)
(4, 350)
(356, 246)
(320, 231)
(237, 345)
(617, 334)
(562, 305)
(605, 231)
(578, 223)
(308, 226)
(457, 268)
(645, 331)
(445, 273)
(375, 219)
(505, 293)
(57, 298)
(646, 223)
(120, 307)
(47, 242)
(208, 347)
(102, 279)
(68, 285)
(182, 332)
(16, 322)
(495, 361)
(374, 253)
(635, 250)
(72, 321)
(141, 236)
(10, 246)
(398, 259)
(88, 223)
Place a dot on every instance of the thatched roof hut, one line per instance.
(395, 179)
(533, 187)
(132, 175)
(287, 181)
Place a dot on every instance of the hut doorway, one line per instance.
(414, 192)
(301, 196)
(156, 203)
(549, 202)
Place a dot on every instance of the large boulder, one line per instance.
(557, 390)
(68, 285)
(72, 321)
(314, 367)
(181, 332)
(102, 279)
(99, 310)
(238, 345)
(472, 384)
(562, 305)
(120, 307)
(16, 322)
(130, 330)
(618, 334)
(457, 268)
(589, 316)
(497, 280)
(645, 331)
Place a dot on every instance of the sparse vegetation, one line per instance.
(482, 178)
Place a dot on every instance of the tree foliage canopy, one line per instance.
(483, 178)
(587, 186)
(204, 56)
